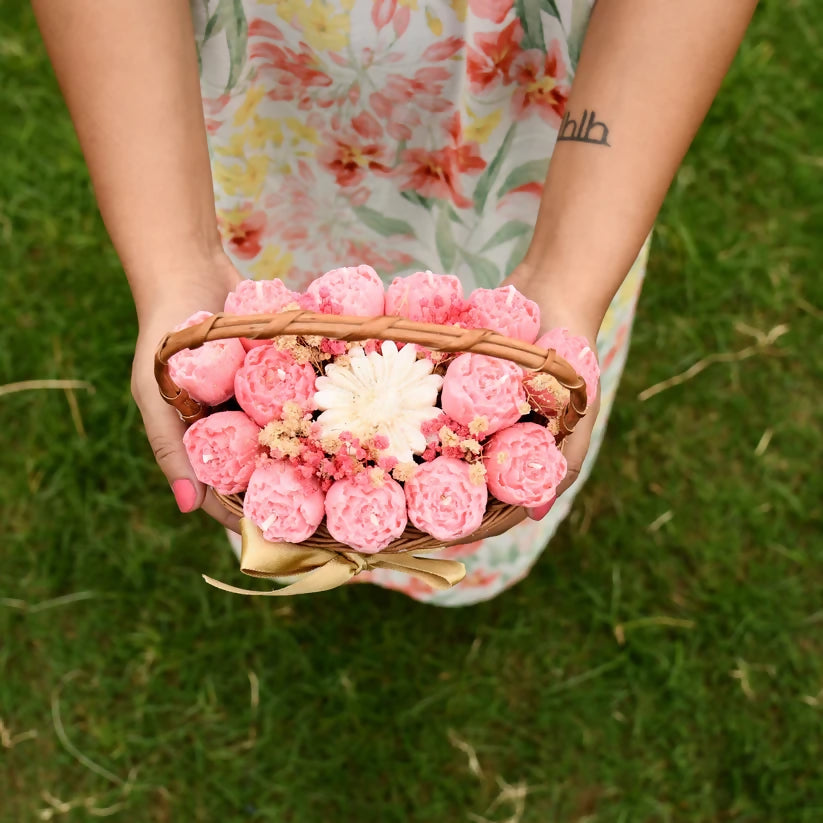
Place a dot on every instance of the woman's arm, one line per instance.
(647, 74)
(128, 72)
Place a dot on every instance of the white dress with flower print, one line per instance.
(409, 135)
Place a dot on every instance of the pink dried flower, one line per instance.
(364, 516)
(479, 386)
(545, 394)
(335, 347)
(504, 310)
(223, 449)
(523, 465)
(387, 463)
(285, 503)
(575, 349)
(207, 372)
(443, 501)
(269, 379)
(259, 297)
(353, 290)
(426, 297)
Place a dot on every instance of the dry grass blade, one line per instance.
(763, 443)
(9, 740)
(44, 605)
(763, 341)
(659, 522)
(35, 385)
(469, 751)
(514, 795)
(60, 731)
(807, 307)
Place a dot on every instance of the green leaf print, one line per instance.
(577, 31)
(532, 172)
(455, 216)
(550, 7)
(484, 184)
(387, 226)
(444, 239)
(210, 27)
(232, 18)
(528, 12)
(418, 199)
(485, 273)
(514, 228)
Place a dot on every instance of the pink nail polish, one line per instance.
(540, 512)
(185, 494)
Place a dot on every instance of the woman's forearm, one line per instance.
(648, 72)
(128, 71)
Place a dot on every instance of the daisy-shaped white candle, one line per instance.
(389, 393)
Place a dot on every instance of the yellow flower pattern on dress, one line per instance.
(409, 135)
(272, 262)
(323, 27)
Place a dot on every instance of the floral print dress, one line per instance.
(409, 135)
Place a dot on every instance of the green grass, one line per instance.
(365, 698)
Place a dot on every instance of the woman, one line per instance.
(408, 134)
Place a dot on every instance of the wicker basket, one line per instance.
(499, 516)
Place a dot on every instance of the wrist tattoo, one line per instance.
(588, 130)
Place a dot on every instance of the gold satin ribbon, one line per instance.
(322, 569)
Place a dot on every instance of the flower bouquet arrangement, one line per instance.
(353, 424)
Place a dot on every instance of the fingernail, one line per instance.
(539, 512)
(184, 494)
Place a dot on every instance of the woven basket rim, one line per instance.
(499, 516)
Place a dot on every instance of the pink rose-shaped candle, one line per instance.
(504, 310)
(426, 297)
(442, 500)
(576, 351)
(259, 297)
(285, 503)
(354, 290)
(269, 378)
(207, 373)
(223, 450)
(477, 386)
(365, 515)
(523, 465)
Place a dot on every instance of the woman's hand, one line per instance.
(539, 286)
(204, 287)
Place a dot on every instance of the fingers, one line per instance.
(165, 434)
(575, 447)
(164, 430)
(539, 512)
(212, 506)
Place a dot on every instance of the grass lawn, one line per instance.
(661, 663)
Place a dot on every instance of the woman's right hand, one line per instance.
(184, 293)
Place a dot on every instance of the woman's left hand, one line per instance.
(538, 286)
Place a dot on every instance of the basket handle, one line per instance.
(342, 327)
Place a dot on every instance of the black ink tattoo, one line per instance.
(588, 130)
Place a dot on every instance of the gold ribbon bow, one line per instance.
(322, 569)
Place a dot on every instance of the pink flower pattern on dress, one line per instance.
(538, 88)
